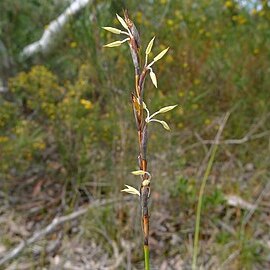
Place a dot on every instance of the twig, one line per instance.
(198, 136)
(239, 141)
(250, 135)
(256, 204)
(51, 227)
(118, 257)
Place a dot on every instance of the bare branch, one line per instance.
(249, 136)
(240, 141)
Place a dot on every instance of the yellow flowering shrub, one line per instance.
(38, 91)
(8, 114)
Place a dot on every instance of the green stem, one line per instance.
(205, 177)
(199, 206)
(146, 257)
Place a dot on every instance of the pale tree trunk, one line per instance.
(54, 28)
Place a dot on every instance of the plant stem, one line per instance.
(199, 207)
(205, 177)
(137, 103)
(146, 257)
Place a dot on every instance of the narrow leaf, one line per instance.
(113, 30)
(139, 172)
(122, 21)
(166, 109)
(153, 78)
(149, 46)
(131, 190)
(113, 44)
(160, 55)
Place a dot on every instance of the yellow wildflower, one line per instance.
(181, 93)
(228, 4)
(241, 19)
(256, 51)
(179, 15)
(254, 11)
(39, 145)
(201, 31)
(162, 47)
(86, 103)
(261, 13)
(180, 125)
(170, 22)
(185, 65)
(197, 81)
(169, 59)
(73, 44)
(139, 17)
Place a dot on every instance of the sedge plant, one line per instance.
(142, 115)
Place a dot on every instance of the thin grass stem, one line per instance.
(199, 207)
(202, 188)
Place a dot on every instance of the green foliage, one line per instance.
(223, 238)
(23, 22)
(185, 189)
(216, 198)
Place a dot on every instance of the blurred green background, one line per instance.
(68, 137)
